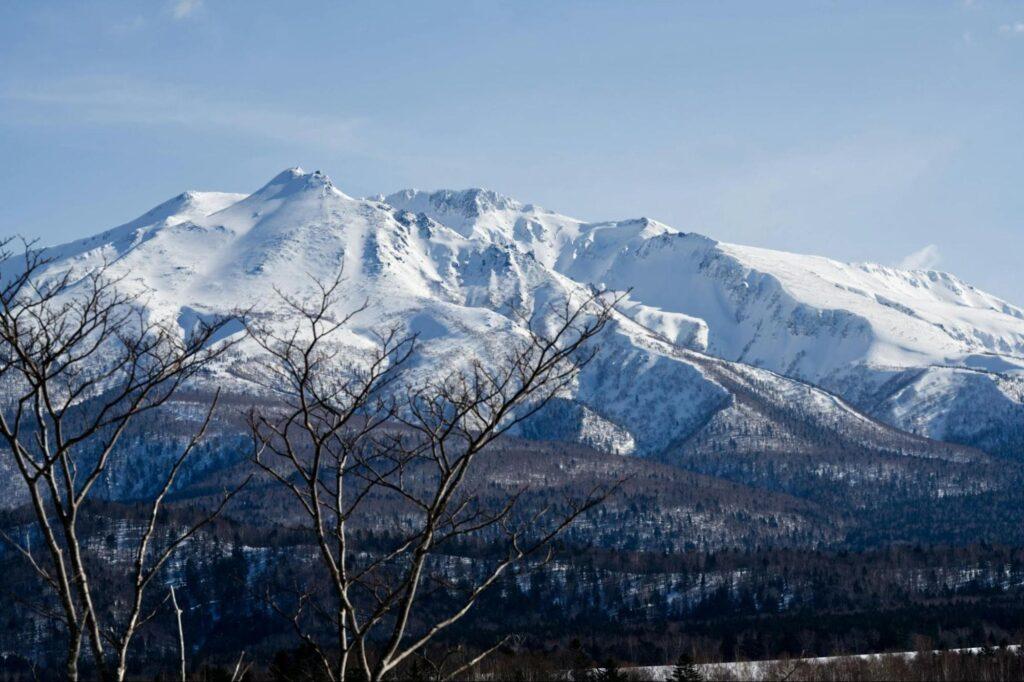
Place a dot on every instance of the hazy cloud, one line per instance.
(926, 258)
(784, 199)
(128, 25)
(115, 101)
(183, 9)
(1014, 29)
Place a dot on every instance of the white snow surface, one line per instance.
(453, 265)
(849, 327)
(773, 669)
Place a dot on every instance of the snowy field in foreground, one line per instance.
(757, 670)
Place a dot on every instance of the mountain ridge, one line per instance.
(896, 346)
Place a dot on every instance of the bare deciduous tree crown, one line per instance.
(79, 361)
(347, 434)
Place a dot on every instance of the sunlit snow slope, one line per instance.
(922, 350)
(704, 326)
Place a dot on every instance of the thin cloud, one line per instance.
(1014, 29)
(183, 9)
(787, 197)
(113, 102)
(925, 258)
(128, 25)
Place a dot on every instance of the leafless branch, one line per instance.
(80, 361)
(345, 434)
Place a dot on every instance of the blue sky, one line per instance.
(889, 132)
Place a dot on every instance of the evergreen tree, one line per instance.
(609, 672)
(419, 672)
(685, 670)
(581, 664)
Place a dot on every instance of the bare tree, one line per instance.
(346, 437)
(181, 635)
(79, 361)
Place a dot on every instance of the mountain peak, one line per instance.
(289, 195)
(288, 174)
(296, 181)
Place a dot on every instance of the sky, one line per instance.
(890, 132)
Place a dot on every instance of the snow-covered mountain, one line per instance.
(921, 350)
(711, 333)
